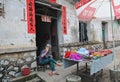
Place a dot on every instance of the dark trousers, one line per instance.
(51, 62)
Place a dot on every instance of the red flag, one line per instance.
(31, 16)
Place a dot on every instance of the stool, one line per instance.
(42, 67)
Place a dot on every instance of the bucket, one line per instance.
(114, 75)
(73, 78)
(25, 71)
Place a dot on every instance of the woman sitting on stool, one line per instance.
(45, 57)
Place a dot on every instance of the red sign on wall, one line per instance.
(64, 20)
(81, 3)
(53, 1)
(31, 16)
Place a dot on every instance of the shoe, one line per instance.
(59, 64)
(56, 73)
(50, 74)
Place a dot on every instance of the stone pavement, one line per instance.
(57, 78)
(65, 72)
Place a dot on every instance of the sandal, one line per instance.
(56, 73)
(59, 64)
(50, 73)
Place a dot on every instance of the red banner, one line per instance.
(53, 1)
(31, 16)
(81, 3)
(64, 20)
(116, 9)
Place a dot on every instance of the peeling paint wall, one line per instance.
(15, 42)
(72, 23)
(94, 27)
(116, 31)
(95, 31)
(13, 29)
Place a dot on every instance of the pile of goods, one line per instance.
(83, 53)
(100, 53)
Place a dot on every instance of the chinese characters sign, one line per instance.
(81, 3)
(64, 20)
(31, 16)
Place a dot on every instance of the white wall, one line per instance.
(72, 23)
(94, 30)
(116, 31)
(13, 30)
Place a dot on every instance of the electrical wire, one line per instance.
(99, 7)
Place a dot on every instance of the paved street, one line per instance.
(65, 72)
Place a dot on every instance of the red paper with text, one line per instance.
(64, 20)
(31, 16)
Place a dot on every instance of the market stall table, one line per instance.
(95, 64)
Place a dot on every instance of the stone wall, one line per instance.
(11, 64)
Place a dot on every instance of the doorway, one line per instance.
(104, 33)
(83, 32)
(46, 29)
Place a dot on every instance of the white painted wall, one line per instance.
(13, 30)
(95, 31)
(72, 23)
(94, 27)
(116, 31)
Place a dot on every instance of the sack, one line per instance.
(67, 54)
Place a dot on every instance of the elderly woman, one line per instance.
(46, 58)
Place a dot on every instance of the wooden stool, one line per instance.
(42, 67)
